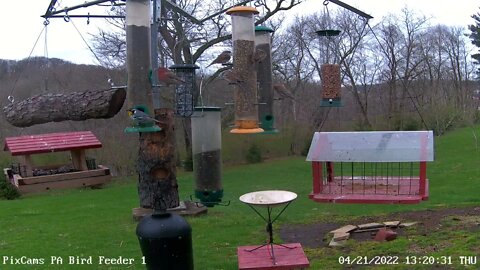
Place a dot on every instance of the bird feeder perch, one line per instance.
(370, 167)
(184, 101)
(246, 111)
(207, 155)
(330, 73)
(263, 41)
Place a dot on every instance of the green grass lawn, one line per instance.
(83, 223)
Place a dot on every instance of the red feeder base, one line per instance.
(292, 257)
(381, 190)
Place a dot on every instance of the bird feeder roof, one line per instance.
(52, 142)
(372, 146)
(242, 9)
(262, 28)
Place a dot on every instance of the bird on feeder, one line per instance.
(168, 78)
(258, 56)
(222, 58)
(282, 91)
(140, 118)
(232, 77)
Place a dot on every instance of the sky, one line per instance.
(21, 24)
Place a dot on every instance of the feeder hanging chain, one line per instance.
(326, 2)
(11, 99)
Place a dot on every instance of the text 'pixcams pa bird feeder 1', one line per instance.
(263, 43)
(370, 167)
(207, 155)
(184, 103)
(330, 73)
(246, 111)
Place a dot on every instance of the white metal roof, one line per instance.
(372, 146)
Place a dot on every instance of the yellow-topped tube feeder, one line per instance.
(245, 89)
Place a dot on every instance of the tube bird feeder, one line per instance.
(207, 158)
(263, 43)
(245, 91)
(330, 73)
(184, 101)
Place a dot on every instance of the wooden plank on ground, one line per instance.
(74, 183)
(345, 229)
(63, 176)
(392, 223)
(370, 226)
(338, 236)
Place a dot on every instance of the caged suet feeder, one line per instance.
(370, 167)
(207, 155)
(330, 72)
(184, 97)
(245, 91)
(263, 43)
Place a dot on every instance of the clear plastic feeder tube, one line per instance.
(264, 77)
(245, 90)
(207, 158)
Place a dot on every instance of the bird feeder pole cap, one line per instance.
(242, 9)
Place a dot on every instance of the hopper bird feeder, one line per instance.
(370, 167)
(330, 73)
(184, 99)
(207, 158)
(245, 91)
(263, 42)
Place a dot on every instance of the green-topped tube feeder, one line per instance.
(207, 155)
(184, 98)
(263, 43)
(330, 72)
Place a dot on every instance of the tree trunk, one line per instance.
(76, 106)
(156, 165)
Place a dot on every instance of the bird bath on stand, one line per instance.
(269, 199)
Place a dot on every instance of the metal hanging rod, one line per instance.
(352, 9)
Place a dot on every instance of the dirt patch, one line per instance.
(317, 235)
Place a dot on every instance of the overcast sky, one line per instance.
(21, 24)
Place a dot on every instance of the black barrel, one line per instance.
(166, 242)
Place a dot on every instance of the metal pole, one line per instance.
(157, 7)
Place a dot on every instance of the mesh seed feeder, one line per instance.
(330, 73)
(263, 41)
(246, 111)
(184, 105)
(207, 158)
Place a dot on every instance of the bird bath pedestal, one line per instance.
(269, 199)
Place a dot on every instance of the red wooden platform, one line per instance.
(369, 189)
(53, 142)
(260, 259)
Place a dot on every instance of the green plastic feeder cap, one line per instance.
(262, 28)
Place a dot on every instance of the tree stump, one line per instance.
(76, 106)
(157, 176)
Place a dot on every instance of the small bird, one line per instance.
(222, 58)
(168, 78)
(258, 55)
(141, 118)
(282, 91)
(232, 77)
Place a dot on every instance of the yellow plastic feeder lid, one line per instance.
(242, 9)
(246, 127)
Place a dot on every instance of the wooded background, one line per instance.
(402, 74)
